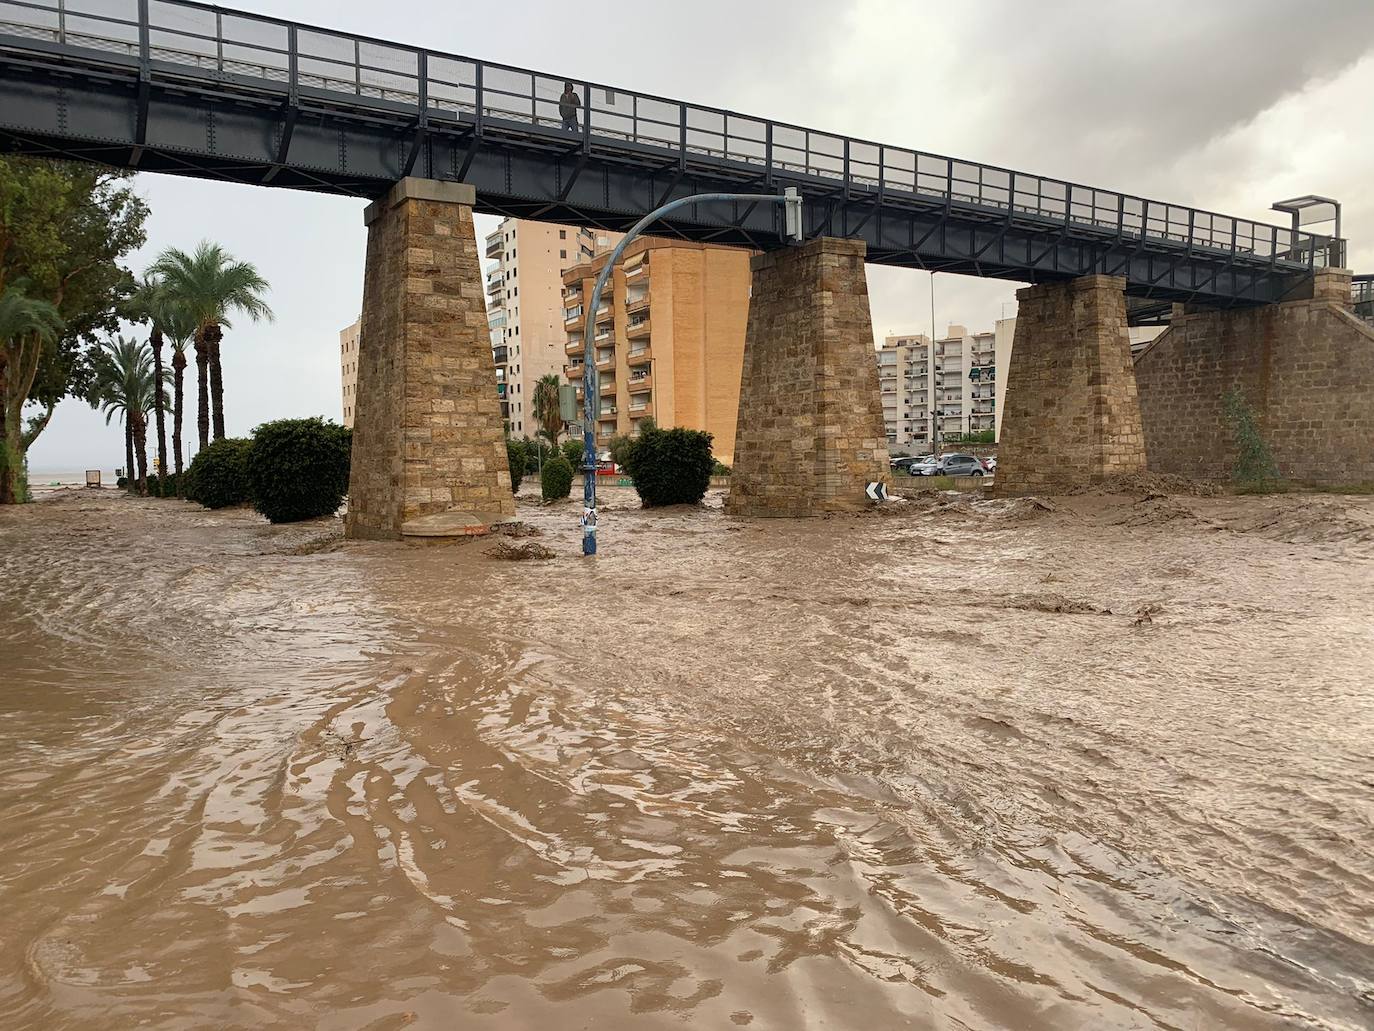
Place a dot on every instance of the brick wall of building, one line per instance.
(427, 437)
(1071, 412)
(810, 430)
(1305, 367)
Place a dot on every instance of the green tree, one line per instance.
(516, 460)
(546, 410)
(147, 305)
(23, 318)
(208, 285)
(573, 451)
(124, 385)
(64, 230)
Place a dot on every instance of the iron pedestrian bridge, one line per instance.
(189, 89)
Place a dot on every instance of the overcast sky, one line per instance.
(1223, 104)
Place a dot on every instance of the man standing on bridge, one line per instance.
(568, 105)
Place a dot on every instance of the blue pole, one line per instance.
(591, 379)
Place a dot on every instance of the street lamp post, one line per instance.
(591, 391)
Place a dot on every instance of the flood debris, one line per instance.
(519, 552)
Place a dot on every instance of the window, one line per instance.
(562, 234)
(563, 255)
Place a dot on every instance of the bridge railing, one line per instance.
(173, 35)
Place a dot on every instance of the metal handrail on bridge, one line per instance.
(249, 50)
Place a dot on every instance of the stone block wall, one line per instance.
(1071, 414)
(1305, 367)
(810, 434)
(427, 435)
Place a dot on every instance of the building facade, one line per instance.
(946, 389)
(669, 337)
(348, 364)
(524, 307)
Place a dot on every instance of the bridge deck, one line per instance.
(175, 86)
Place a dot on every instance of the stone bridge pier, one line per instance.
(1304, 366)
(429, 453)
(810, 433)
(1071, 415)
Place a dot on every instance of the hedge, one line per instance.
(515, 458)
(298, 468)
(218, 476)
(671, 467)
(556, 479)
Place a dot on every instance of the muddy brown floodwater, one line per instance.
(960, 764)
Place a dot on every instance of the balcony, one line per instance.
(573, 372)
(642, 356)
(575, 345)
(639, 404)
(496, 244)
(608, 412)
(636, 302)
(500, 355)
(496, 319)
(605, 364)
(638, 328)
(572, 313)
(603, 333)
(639, 383)
(496, 280)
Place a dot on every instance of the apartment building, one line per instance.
(952, 386)
(348, 363)
(524, 306)
(669, 337)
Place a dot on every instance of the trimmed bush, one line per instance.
(572, 451)
(218, 476)
(671, 467)
(621, 447)
(515, 458)
(157, 484)
(556, 480)
(298, 468)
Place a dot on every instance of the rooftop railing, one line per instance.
(178, 35)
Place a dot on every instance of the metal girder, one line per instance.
(141, 111)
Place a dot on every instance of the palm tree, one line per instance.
(125, 385)
(546, 408)
(179, 330)
(27, 326)
(146, 304)
(208, 285)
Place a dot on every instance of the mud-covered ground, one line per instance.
(1092, 762)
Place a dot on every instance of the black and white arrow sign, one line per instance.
(877, 492)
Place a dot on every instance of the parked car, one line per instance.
(924, 466)
(990, 463)
(961, 465)
(899, 464)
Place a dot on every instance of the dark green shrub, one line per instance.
(572, 451)
(671, 467)
(122, 483)
(515, 458)
(556, 480)
(719, 468)
(537, 452)
(218, 476)
(298, 468)
(162, 486)
(620, 449)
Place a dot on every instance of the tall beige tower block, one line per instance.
(429, 455)
(1072, 416)
(810, 433)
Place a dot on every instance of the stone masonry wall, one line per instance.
(1071, 415)
(428, 435)
(810, 433)
(1305, 367)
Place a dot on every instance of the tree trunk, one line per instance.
(140, 434)
(203, 393)
(213, 336)
(159, 413)
(9, 475)
(130, 481)
(178, 396)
